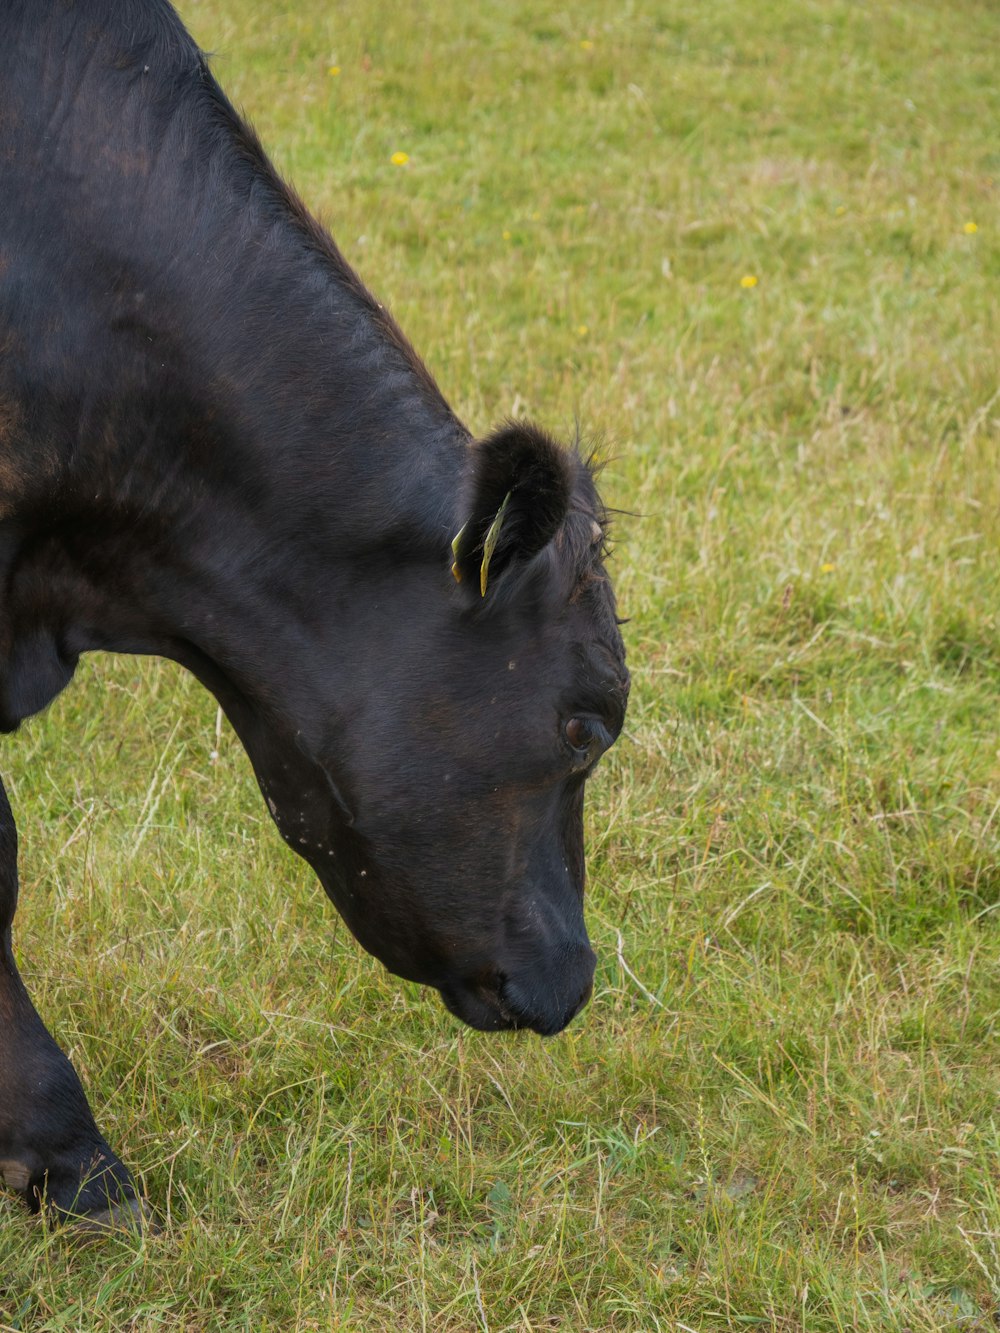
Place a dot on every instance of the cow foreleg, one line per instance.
(51, 1152)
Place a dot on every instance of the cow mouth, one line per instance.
(487, 1008)
(481, 1007)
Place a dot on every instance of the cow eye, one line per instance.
(579, 733)
(588, 738)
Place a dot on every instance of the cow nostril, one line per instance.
(492, 992)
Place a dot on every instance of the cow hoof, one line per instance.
(93, 1199)
(15, 1175)
(130, 1217)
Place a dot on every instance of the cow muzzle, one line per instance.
(545, 997)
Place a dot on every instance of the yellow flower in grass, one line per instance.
(970, 228)
(586, 44)
(399, 159)
(506, 235)
(748, 280)
(827, 567)
(582, 330)
(333, 71)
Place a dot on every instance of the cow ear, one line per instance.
(521, 486)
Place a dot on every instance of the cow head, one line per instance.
(475, 689)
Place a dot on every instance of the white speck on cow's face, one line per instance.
(272, 807)
(511, 666)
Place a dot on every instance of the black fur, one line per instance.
(216, 445)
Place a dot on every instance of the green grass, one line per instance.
(781, 1109)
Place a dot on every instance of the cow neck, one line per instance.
(224, 411)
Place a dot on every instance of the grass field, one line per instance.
(755, 248)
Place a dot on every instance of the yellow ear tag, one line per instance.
(489, 545)
(456, 541)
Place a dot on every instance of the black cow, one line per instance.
(217, 446)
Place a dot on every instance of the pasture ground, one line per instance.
(781, 1109)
